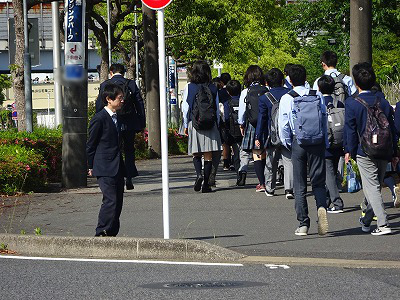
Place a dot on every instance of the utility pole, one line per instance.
(27, 73)
(152, 80)
(56, 63)
(74, 162)
(360, 32)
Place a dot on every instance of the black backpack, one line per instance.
(128, 107)
(274, 139)
(336, 118)
(204, 112)
(234, 127)
(253, 94)
(376, 141)
(340, 93)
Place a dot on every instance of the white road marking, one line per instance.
(121, 261)
(273, 267)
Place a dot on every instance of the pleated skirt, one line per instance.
(203, 140)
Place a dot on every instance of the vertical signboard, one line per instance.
(74, 40)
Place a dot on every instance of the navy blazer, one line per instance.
(103, 147)
(397, 118)
(136, 121)
(356, 119)
(264, 112)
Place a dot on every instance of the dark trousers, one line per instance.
(128, 137)
(313, 158)
(331, 182)
(113, 193)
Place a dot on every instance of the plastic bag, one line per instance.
(353, 183)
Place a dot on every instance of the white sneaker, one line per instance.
(382, 230)
(396, 198)
(322, 221)
(302, 231)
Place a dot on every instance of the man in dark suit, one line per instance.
(105, 159)
(132, 120)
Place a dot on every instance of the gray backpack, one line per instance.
(335, 125)
(340, 93)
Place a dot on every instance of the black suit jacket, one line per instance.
(135, 121)
(103, 147)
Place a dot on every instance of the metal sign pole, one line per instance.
(109, 33)
(163, 117)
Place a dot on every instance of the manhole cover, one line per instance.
(202, 285)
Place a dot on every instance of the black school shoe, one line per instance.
(206, 189)
(197, 184)
(241, 180)
(129, 184)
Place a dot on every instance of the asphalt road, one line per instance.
(28, 279)
(237, 218)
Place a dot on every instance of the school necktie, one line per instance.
(114, 118)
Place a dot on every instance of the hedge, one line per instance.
(21, 170)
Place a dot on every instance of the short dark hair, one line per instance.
(298, 75)
(233, 87)
(287, 68)
(329, 58)
(111, 90)
(364, 75)
(274, 78)
(326, 84)
(200, 72)
(253, 74)
(117, 68)
(225, 77)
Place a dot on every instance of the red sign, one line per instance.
(156, 4)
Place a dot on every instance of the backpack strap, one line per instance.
(341, 76)
(271, 98)
(293, 93)
(363, 102)
(312, 92)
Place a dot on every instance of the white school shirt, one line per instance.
(347, 80)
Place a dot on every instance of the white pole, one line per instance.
(109, 32)
(136, 49)
(56, 63)
(163, 117)
(48, 110)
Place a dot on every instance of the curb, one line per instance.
(117, 248)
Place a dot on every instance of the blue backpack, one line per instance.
(307, 118)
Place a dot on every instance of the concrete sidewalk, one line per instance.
(237, 219)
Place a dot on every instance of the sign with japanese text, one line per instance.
(74, 39)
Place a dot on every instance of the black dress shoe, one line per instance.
(103, 233)
(241, 180)
(206, 189)
(129, 184)
(197, 184)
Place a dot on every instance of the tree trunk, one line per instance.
(152, 80)
(104, 70)
(17, 71)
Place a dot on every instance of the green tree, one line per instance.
(5, 83)
(325, 25)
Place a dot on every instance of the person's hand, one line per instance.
(257, 142)
(186, 132)
(242, 130)
(90, 172)
(347, 158)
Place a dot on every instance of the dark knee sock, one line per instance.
(197, 165)
(207, 171)
(259, 168)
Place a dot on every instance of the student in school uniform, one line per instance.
(202, 142)
(254, 82)
(105, 160)
(275, 81)
(306, 155)
(326, 86)
(372, 166)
